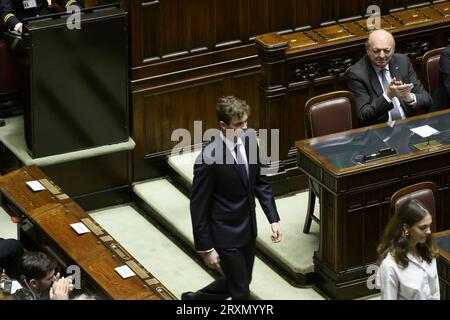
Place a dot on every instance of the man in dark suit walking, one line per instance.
(227, 177)
(441, 95)
(385, 84)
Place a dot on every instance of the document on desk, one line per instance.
(424, 131)
(35, 185)
(125, 271)
(80, 228)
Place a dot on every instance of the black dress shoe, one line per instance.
(188, 295)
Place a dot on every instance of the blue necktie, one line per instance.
(241, 163)
(395, 112)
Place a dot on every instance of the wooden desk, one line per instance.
(443, 242)
(47, 218)
(354, 196)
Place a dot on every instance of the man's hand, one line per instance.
(211, 259)
(400, 90)
(276, 232)
(60, 289)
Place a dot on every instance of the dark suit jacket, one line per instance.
(441, 95)
(14, 11)
(371, 105)
(222, 205)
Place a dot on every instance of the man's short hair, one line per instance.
(36, 265)
(229, 107)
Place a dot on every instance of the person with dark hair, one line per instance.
(13, 11)
(384, 83)
(407, 256)
(227, 177)
(441, 95)
(10, 251)
(39, 279)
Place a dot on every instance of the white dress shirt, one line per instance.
(418, 281)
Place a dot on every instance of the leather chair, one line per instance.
(431, 69)
(423, 192)
(326, 114)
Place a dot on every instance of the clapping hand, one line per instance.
(60, 288)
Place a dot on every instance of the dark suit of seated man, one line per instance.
(227, 177)
(12, 11)
(384, 83)
(441, 95)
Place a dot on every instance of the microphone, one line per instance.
(24, 280)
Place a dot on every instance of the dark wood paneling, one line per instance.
(246, 87)
(174, 27)
(257, 18)
(328, 11)
(395, 5)
(281, 18)
(308, 13)
(351, 9)
(151, 34)
(158, 115)
(227, 22)
(411, 3)
(200, 25)
(168, 111)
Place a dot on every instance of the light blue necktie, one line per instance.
(395, 112)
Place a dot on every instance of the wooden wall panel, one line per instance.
(246, 88)
(395, 5)
(281, 18)
(351, 9)
(167, 111)
(308, 13)
(257, 18)
(158, 115)
(151, 25)
(200, 25)
(327, 12)
(411, 3)
(227, 22)
(174, 27)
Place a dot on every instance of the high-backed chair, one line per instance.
(430, 68)
(423, 192)
(325, 114)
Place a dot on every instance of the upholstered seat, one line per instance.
(431, 69)
(423, 192)
(326, 114)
